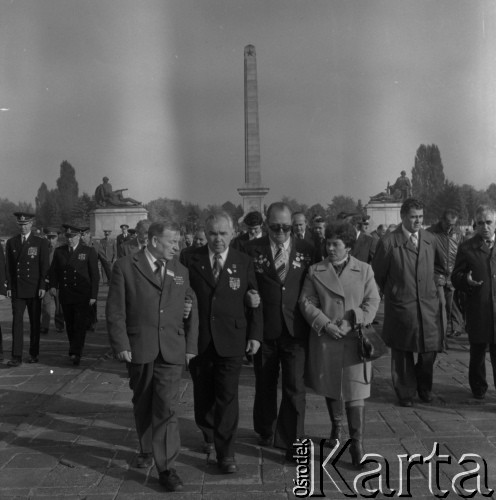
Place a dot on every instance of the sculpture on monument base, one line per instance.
(106, 196)
(398, 192)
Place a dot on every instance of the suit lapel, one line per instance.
(403, 241)
(201, 263)
(141, 263)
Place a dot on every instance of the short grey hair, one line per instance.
(483, 209)
(218, 215)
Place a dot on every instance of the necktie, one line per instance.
(159, 264)
(23, 240)
(280, 263)
(71, 250)
(216, 270)
(414, 239)
(489, 243)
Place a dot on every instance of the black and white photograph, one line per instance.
(247, 249)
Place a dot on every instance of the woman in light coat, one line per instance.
(339, 294)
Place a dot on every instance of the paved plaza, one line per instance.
(68, 432)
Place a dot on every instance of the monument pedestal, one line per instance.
(383, 213)
(113, 217)
(253, 198)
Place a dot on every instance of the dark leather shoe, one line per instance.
(265, 440)
(44, 331)
(228, 465)
(33, 359)
(144, 460)
(407, 403)
(208, 448)
(75, 359)
(425, 396)
(14, 363)
(479, 395)
(170, 480)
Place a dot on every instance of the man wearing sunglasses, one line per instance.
(281, 263)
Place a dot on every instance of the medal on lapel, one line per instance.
(234, 283)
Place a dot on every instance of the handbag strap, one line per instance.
(360, 339)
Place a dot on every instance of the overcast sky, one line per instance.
(150, 93)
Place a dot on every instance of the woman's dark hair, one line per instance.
(343, 231)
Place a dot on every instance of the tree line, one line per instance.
(64, 204)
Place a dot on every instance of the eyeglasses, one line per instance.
(277, 228)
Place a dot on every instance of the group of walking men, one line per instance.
(226, 298)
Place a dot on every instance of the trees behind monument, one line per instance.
(63, 204)
(430, 185)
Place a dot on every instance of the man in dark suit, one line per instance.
(253, 222)
(474, 274)
(300, 227)
(52, 236)
(404, 270)
(121, 239)
(365, 245)
(74, 275)
(449, 238)
(3, 292)
(106, 248)
(134, 245)
(26, 269)
(221, 278)
(146, 310)
(281, 263)
(319, 243)
(199, 240)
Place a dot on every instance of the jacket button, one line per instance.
(161, 310)
(212, 318)
(284, 288)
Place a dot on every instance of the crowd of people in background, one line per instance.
(287, 296)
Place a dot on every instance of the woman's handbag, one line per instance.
(370, 346)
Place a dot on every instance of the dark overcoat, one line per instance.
(364, 248)
(3, 289)
(224, 319)
(280, 300)
(405, 275)
(146, 318)
(75, 274)
(474, 255)
(27, 266)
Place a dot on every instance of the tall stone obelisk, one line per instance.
(252, 192)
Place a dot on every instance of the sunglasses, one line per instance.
(276, 228)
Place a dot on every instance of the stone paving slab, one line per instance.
(68, 432)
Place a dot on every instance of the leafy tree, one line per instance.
(491, 192)
(315, 210)
(294, 205)
(41, 197)
(80, 213)
(341, 203)
(68, 190)
(428, 178)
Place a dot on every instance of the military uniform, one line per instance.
(120, 240)
(74, 271)
(26, 270)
